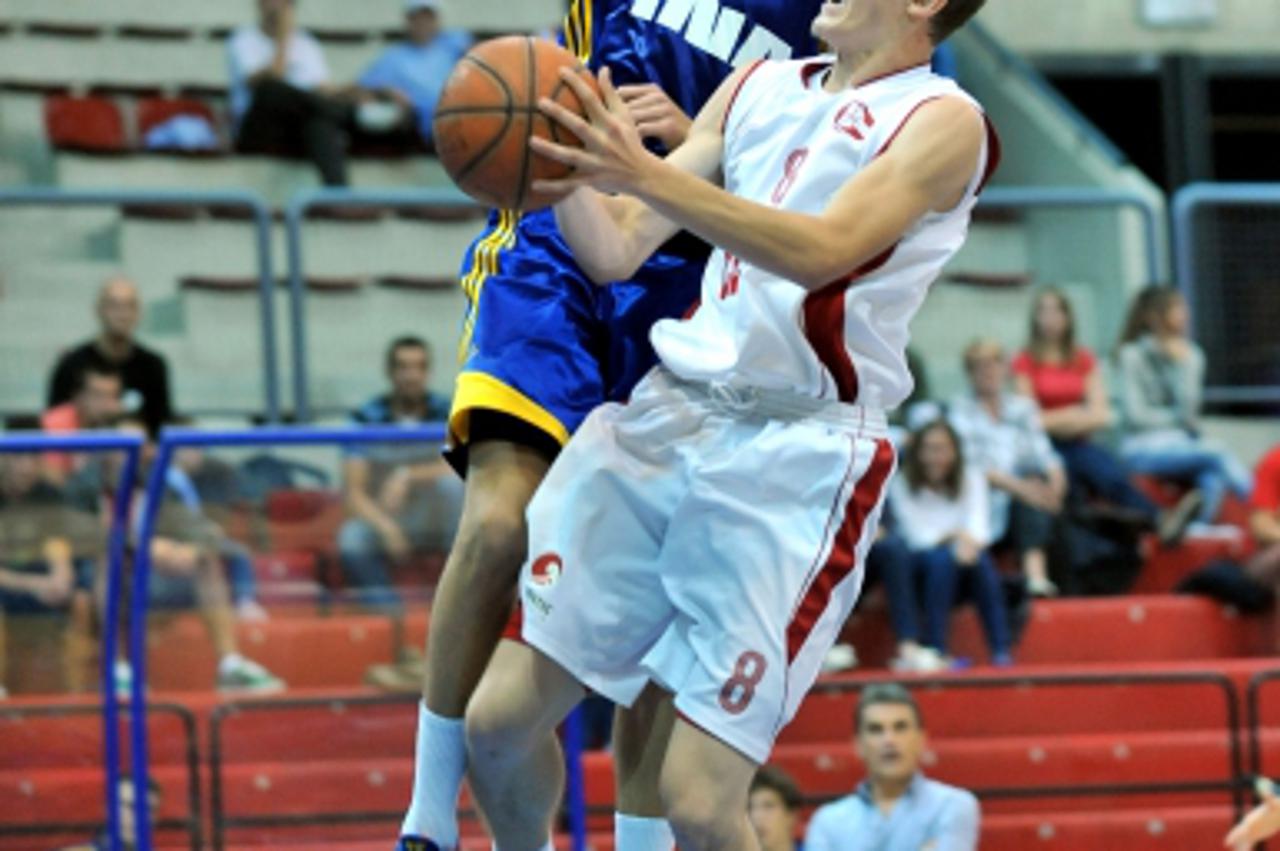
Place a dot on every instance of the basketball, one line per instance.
(489, 111)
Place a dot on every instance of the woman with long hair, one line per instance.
(943, 514)
(1066, 381)
(1161, 386)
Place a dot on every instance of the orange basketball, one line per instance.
(488, 112)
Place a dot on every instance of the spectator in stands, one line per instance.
(95, 403)
(1003, 437)
(144, 372)
(128, 828)
(1161, 384)
(411, 74)
(281, 97)
(187, 572)
(943, 513)
(1065, 380)
(402, 498)
(1264, 519)
(774, 809)
(896, 808)
(37, 576)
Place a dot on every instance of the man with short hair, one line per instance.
(896, 808)
(95, 403)
(1003, 437)
(411, 74)
(401, 498)
(281, 97)
(773, 805)
(144, 373)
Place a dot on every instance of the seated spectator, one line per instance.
(411, 74)
(1264, 519)
(943, 513)
(187, 573)
(774, 809)
(143, 372)
(896, 808)
(1065, 380)
(37, 576)
(281, 99)
(1003, 438)
(402, 498)
(1161, 385)
(95, 403)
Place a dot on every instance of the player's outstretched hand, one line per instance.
(612, 158)
(1259, 825)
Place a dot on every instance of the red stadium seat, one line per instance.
(84, 124)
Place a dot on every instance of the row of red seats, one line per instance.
(96, 124)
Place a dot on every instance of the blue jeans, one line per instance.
(1096, 472)
(945, 583)
(1212, 471)
(365, 567)
(240, 575)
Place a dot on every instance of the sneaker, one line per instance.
(1174, 521)
(924, 660)
(123, 676)
(417, 843)
(1042, 588)
(841, 657)
(248, 676)
(251, 611)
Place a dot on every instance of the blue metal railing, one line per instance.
(1188, 203)
(131, 446)
(295, 213)
(1081, 198)
(171, 441)
(188, 198)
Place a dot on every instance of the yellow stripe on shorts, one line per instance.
(484, 265)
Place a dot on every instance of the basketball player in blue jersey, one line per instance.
(543, 346)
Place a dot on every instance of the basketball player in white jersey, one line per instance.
(707, 537)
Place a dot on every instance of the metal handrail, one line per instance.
(1236, 785)
(131, 446)
(1076, 197)
(294, 215)
(1186, 204)
(45, 197)
(193, 823)
(170, 441)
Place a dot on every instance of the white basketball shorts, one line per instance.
(715, 551)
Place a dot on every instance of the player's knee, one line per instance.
(494, 731)
(696, 812)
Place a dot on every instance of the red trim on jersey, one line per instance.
(737, 90)
(995, 152)
(843, 557)
(514, 630)
(824, 325)
(893, 138)
(889, 74)
(808, 69)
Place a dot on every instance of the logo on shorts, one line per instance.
(546, 570)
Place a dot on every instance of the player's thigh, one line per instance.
(763, 564)
(501, 480)
(703, 779)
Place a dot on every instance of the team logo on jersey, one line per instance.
(546, 570)
(855, 119)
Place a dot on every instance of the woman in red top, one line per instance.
(1065, 380)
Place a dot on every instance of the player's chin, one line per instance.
(829, 20)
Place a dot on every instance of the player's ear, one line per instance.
(922, 11)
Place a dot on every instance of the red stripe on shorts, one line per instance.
(844, 549)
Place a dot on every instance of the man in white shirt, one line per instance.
(281, 99)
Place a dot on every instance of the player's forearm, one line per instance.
(794, 246)
(602, 232)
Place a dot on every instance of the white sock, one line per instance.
(637, 833)
(440, 763)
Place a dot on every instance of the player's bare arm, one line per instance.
(927, 169)
(611, 236)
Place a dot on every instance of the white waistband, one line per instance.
(762, 403)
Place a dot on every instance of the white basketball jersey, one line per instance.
(791, 145)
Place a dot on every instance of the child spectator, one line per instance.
(1161, 384)
(1065, 380)
(943, 513)
(774, 809)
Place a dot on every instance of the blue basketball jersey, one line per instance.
(687, 47)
